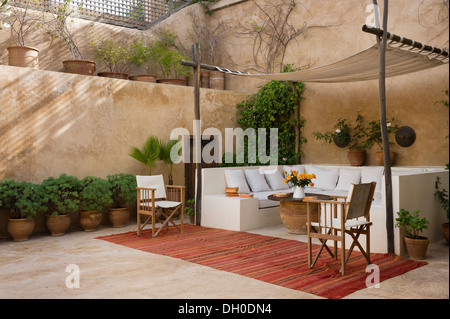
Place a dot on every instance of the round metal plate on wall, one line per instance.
(405, 136)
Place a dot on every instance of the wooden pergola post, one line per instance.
(196, 58)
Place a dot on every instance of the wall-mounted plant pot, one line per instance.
(172, 81)
(79, 66)
(356, 158)
(380, 158)
(23, 56)
(143, 78)
(341, 139)
(114, 75)
(20, 229)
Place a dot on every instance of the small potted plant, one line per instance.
(375, 137)
(20, 21)
(62, 198)
(115, 55)
(94, 196)
(442, 196)
(57, 25)
(24, 200)
(148, 154)
(167, 56)
(345, 135)
(123, 194)
(189, 209)
(139, 57)
(413, 225)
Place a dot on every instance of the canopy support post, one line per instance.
(383, 123)
(197, 134)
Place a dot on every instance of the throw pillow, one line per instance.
(348, 176)
(256, 180)
(275, 179)
(326, 179)
(236, 178)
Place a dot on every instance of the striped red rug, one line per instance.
(273, 260)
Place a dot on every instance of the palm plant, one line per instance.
(167, 157)
(149, 153)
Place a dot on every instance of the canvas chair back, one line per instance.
(152, 181)
(360, 199)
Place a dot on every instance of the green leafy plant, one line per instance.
(374, 133)
(442, 196)
(62, 194)
(273, 107)
(412, 224)
(123, 189)
(139, 53)
(167, 55)
(95, 193)
(116, 55)
(189, 209)
(23, 199)
(149, 153)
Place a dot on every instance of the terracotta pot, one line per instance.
(445, 231)
(20, 229)
(356, 158)
(192, 219)
(172, 81)
(90, 219)
(114, 75)
(204, 80)
(23, 56)
(84, 67)
(58, 225)
(380, 158)
(417, 248)
(217, 80)
(143, 78)
(119, 216)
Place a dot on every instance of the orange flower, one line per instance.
(289, 177)
(284, 180)
(311, 184)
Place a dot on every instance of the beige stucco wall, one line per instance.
(42, 114)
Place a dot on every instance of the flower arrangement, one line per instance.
(299, 179)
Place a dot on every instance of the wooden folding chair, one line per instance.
(154, 197)
(338, 217)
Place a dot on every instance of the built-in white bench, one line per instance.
(412, 189)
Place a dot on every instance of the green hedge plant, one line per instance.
(95, 194)
(63, 194)
(123, 189)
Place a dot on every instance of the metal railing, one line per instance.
(140, 14)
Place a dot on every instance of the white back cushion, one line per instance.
(326, 179)
(256, 180)
(275, 179)
(348, 176)
(236, 178)
(372, 174)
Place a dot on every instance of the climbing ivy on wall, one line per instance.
(273, 107)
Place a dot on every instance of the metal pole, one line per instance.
(386, 151)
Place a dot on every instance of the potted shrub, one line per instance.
(442, 195)
(20, 21)
(412, 226)
(140, 56)
(345, 135)
(24, 200)
(123, 194)
(375, 137)
(165, 53)
(94, 196)
(57, 25)
(115, 55)
(62, 197)
(148, 155)
(189, 209)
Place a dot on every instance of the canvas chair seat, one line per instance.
(339, 218)
(157, 201)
